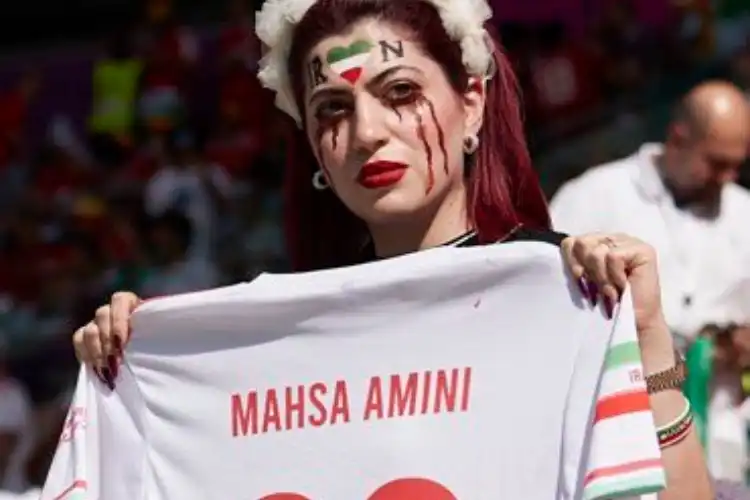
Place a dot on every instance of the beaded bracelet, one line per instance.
(677, 430)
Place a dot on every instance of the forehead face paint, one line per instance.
(389, 50)
(315, 72)
(348, 61)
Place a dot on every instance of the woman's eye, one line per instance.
(401, 93)
(331, 110)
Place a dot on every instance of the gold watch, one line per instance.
(671, 378)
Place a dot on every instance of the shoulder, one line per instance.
(543, 236)
(735, 212)
(738, 199)
(602, 176)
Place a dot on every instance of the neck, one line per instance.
(419, 232)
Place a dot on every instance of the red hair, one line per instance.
(503, 189)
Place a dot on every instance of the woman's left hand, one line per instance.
(604, 264)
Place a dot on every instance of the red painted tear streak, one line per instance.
(319, 153)
(428, 150)
(335, 136)
(398, 113)
(441, 134)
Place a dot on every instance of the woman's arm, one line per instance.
(613, 262)
(684, 462)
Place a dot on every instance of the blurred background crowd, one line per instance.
(139, 152)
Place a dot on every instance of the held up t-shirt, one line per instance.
(451, 374)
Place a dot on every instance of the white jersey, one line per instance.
(454, 373)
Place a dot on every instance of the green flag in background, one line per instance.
(699, 359)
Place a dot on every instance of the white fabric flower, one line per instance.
(463, 21)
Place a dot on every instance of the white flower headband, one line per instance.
(463, 21)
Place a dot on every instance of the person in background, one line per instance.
(14, 106)
(175, 270)
(563, 76)
(171, 52)
(741, 68)
(621, 44)
(681, 198)
(15, 432)
(115, 82)
(189, 184)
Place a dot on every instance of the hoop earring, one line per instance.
(319, 181)
(471, 144)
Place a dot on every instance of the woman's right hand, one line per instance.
(99, 343)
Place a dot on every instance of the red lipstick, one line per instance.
(380, 174)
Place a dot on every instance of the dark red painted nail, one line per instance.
(117, 342)
(113, 365)
(109, 380)
(593, 293)
(98, 373)
(582, 288)
(609, 308)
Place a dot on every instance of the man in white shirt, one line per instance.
(681, 198)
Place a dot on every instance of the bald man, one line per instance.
(681, 197)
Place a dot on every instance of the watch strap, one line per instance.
(671, 378)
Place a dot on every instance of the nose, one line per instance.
(370, 132)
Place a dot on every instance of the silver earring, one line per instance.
(471, 144)
(319, 181)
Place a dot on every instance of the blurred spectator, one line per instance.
(115, 89)
(14, 105)
(171, 52)
(681, 198)
(244, 106)
(691, 33)
(741, 68)
(623, 47)
(237, 40)
(59, 179)
(190, 185)
(16, 433)
(564, 77)
(174, 270)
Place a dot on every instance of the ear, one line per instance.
(473, 101)
(679, 134)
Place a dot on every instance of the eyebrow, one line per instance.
(375, 81)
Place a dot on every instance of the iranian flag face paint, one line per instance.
(348, 61)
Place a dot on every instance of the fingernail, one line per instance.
(113, 363)
(98, 373)
(608, 307)
(593, 294)
(109, 381)
(582, 288)
(118, 344)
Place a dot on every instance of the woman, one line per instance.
(411, 137)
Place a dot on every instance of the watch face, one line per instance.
(679, 354)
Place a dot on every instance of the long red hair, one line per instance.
(503, 189)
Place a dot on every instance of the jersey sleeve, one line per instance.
(101, 453)
(74, 470)
(611, 449)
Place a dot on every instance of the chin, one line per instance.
(394, 205)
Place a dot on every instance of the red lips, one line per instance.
(380, 174)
